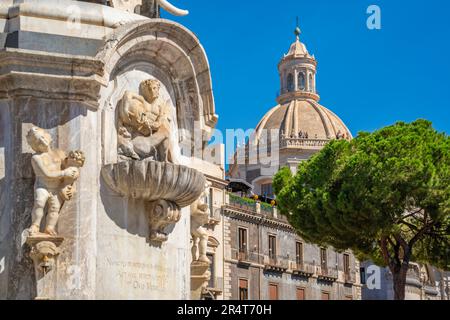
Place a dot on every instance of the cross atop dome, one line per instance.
(298, 31)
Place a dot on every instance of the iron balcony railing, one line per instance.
(328, 273)
(245, 256)
(276, 262)
(302, 267)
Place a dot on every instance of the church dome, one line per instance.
(300, 119)
(303, 123)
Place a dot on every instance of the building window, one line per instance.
(299, 252)
(272, 247)
(212, 269)
(311, 83)
(300, 293)
(290, 82)
(242, 238)
(266, 190)
(243, 289)
(325, 295)
(301, 81)
(346, 264)
(273, 291)
(348, 297)
(323, 258)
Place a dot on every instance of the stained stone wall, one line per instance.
(68, 81)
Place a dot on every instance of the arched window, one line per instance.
(311, 83)
(301, 81)
(290, 82)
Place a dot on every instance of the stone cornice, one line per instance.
(50, 76)
(57, 63)
(253, 217)
(305, 58)
(217, 182)
(289, 96)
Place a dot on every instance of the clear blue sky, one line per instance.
(369, 78)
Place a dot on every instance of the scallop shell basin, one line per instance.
(152, 180)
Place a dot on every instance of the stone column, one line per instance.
(70, 82)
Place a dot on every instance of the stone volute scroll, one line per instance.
(148, 169)
(56, 174)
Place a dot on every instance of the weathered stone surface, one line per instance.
(152, 180)
(200, 213)
(68, 82)
(163, 186)
(200, 275)
(44, 253)
(55, 175)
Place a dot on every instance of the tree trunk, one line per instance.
(399, 279)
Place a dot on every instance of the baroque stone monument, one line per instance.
(123, 89)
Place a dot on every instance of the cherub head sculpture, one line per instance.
(39, 140)
(75, 159)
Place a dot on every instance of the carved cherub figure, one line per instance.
(199, 217)
(47, 165)
(145, 124)
(75, 159)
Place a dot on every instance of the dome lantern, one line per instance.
(297, 72)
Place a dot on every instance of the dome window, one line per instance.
(311, 83)
(301, 81)
(290, 82)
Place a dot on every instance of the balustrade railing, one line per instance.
(303, 142)
(242, 203)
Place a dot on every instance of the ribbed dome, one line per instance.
(303, 123)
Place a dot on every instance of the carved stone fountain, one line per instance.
(164, 186)
(80, 84)
(148, 170)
